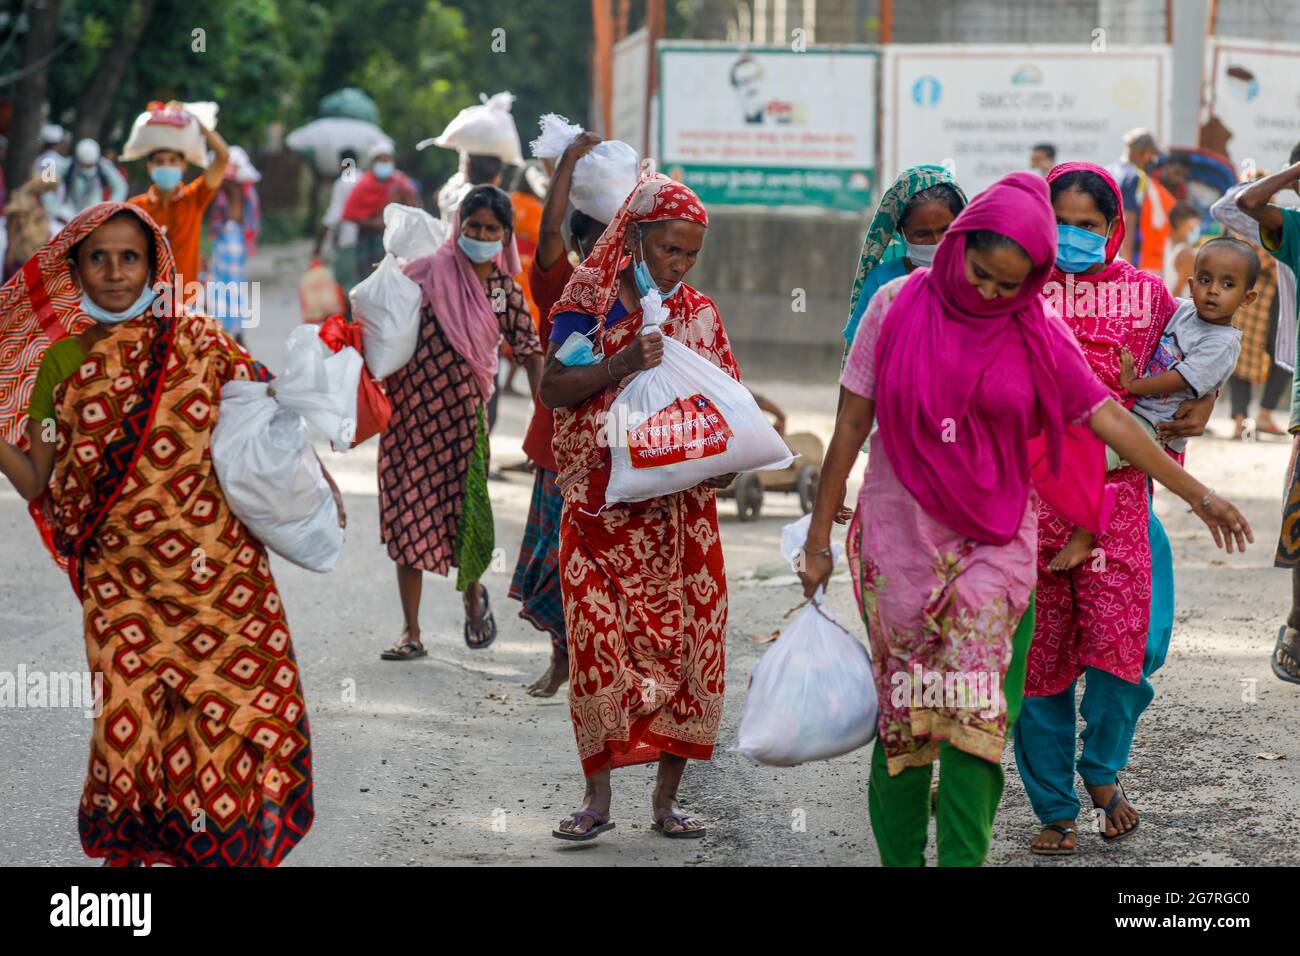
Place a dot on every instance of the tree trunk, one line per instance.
(97, 98)
(29, 92)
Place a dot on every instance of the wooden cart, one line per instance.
(800, 477)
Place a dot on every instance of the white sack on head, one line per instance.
(557, 134)
(157, 129)
(487, 129)
(321, 141)
(602, 179)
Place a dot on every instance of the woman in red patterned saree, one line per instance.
(201, 753)
(645, 592)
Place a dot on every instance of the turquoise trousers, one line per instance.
(1045, 737)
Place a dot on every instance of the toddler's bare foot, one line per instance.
(1075, 552)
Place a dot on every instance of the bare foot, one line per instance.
(556, 676)
(1125, 815)
(1075, 552)
(1052, 840)
(1238, 427)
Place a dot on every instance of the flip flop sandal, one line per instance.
(487, 620)
(403, 651)
(1058, 850)
(598, 826)
(1109, 810)
(682, 834)
(1279, 647)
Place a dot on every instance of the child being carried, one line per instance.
(1196, 355)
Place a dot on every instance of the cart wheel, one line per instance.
(805, 484)
(749, 496)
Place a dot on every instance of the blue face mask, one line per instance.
(382, 170)
(477, 249)
(105, 317)
(576, 350)
(166, 178)
(645, 281)
(1078, 250)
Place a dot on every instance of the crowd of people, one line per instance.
(1005, 523)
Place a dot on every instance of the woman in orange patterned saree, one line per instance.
(644, 588)
(201, 753)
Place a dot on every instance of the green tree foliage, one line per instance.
(269, 61)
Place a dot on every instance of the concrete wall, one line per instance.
(753, 262)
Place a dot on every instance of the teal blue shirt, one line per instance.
(877, 277)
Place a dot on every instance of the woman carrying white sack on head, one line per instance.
(487, 140)
(589, 181)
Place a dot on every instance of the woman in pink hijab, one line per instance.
(434, 510)
(985, 402)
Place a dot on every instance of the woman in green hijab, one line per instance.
(904, 233)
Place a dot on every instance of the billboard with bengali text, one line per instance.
(770, 126)
(1254, 90)
(979, 108)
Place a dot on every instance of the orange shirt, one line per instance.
(181, 221)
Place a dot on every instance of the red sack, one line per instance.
(319, 294)
(373, 408)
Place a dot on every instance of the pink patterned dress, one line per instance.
(1098, 614)
(933, 599)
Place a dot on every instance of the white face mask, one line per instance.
(921, 255)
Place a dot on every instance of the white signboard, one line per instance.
(980, 108)
(1255, 93)
(770, 125)
(631, 65)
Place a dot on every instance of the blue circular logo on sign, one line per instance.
(926, 90)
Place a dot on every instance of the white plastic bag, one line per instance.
(320, 385)
(484, 130)
(812, 695)
(410, 233)
(264, 459)
(270, 476)
(683, 422)
(168, 129)
(387, 305)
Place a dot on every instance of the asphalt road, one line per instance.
(446, 760)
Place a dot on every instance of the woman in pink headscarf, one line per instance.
(434, 510)
(985, 402)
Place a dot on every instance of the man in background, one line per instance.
(1042, 158)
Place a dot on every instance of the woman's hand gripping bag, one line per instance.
(263, 456)
(387, 306)
(683, 422)
(812, 696)
(374, 410)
